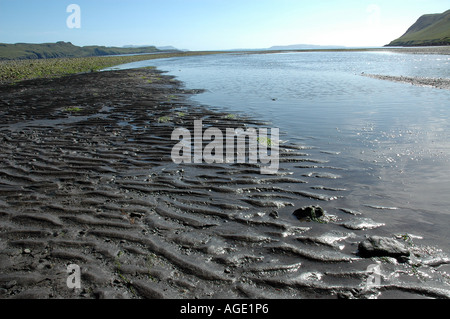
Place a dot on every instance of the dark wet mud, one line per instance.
(86, 178)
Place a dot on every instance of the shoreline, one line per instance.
(441, 50)
(86, 178)
(438, 83)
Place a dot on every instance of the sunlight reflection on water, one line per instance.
(392, 137)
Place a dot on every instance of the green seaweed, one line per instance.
(407, 238)
(230, 116)
(73, 109)
(164, 119)
(171, 97)
(264, 141)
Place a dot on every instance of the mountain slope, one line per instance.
(429, 30)
(63, 50)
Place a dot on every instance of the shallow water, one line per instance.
(386, 143)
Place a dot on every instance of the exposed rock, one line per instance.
(376, 246)
(361, 224)
(312, 212)
(274, 214)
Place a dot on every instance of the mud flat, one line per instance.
(86, 179)
(439, 83)
(442, 50)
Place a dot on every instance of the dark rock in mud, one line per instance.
(274, 214)
(377, 246)
(312, 212)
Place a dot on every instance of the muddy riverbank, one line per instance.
(86, 178)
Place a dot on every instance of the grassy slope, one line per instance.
(62, 50)
(431, 29)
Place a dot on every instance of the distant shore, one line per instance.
(12, 71)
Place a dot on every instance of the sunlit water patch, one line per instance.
(389, 139)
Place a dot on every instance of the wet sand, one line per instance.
(86, 178)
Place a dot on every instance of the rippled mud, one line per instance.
(86, 178)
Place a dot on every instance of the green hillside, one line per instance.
(23, 51)
(429, 30)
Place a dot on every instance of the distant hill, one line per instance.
(429, 30)
(63, 50)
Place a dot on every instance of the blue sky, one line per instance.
(214, 24)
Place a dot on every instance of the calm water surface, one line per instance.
(391, 140)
